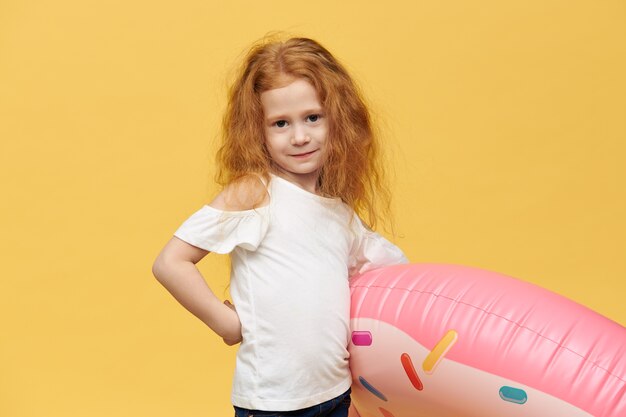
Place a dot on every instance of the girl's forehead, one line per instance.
(282, 79)
(299, 94)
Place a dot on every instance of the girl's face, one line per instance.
(295, 132)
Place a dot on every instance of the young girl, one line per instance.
(298, 161)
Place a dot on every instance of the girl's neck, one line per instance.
(306, 182)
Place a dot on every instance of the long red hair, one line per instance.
(352, 170)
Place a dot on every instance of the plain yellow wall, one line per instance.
(505, 122)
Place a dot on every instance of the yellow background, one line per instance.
(504, 121)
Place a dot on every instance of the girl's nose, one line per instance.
(300, 136)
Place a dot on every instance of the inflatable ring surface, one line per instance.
(438, 340)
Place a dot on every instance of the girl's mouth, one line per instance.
(304, 155)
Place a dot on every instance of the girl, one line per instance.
(298, 161)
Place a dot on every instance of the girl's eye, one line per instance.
(313, 117)
(281, 123)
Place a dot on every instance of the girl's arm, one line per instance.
(175, 268)
(370, 250)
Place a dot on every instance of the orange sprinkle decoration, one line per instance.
(384, 412)
(407, 364)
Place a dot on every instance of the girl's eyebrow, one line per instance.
(278, 116)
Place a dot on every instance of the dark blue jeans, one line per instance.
(337, 407)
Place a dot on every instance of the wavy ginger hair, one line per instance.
(352, 169)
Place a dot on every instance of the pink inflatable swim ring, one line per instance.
(434, 340)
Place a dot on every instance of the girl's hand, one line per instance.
(233, 340)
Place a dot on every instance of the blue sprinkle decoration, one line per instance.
(513, 395)
(371, 389)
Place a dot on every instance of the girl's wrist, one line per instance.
(231, 326)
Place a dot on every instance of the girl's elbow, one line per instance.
(158, 269)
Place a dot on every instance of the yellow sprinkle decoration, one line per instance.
(439, 351)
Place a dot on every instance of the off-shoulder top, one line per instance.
(291, 262)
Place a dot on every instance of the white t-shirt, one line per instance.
(291, 261)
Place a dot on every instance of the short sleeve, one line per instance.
(370, 251)
(221, 231)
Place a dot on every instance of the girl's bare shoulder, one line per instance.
(247, 193)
